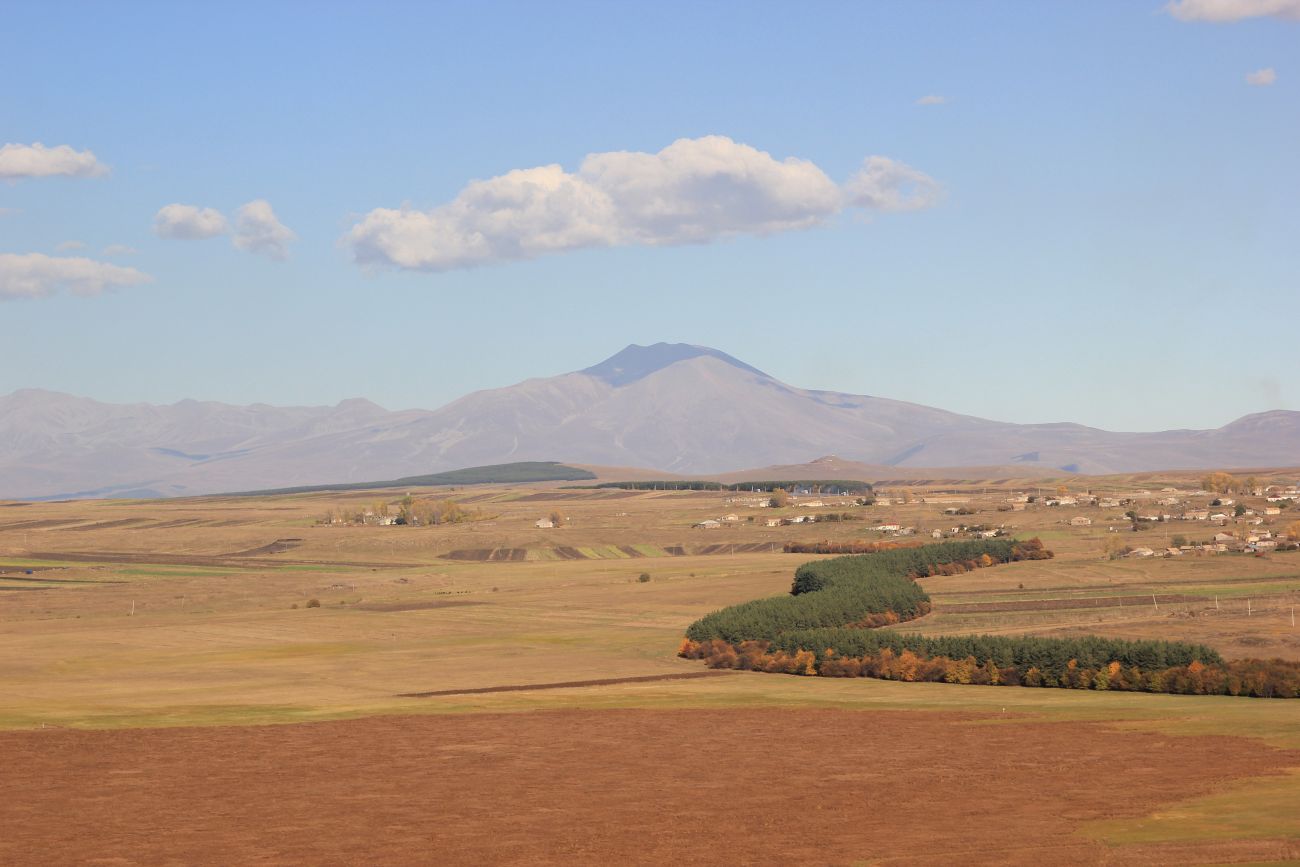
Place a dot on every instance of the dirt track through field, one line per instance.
(566, 684)
(770, 786)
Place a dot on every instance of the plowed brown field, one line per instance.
(769, 786)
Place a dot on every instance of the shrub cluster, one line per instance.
(1275, 678)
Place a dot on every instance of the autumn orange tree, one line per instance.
(1220, 483)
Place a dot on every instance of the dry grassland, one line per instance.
(119, 615)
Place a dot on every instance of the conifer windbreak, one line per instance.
(823, 627)
(846, 591)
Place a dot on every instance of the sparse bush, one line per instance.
(313, 603)
(643, 577)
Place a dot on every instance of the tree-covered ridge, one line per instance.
(520, 472)
(824, 627)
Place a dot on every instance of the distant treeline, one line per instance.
(516, 473)
(828, 547)
(829, 487)
(825, 627)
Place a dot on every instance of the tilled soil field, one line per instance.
(769, 786)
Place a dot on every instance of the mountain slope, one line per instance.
(671, 407)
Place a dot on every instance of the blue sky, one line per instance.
(1104, 229)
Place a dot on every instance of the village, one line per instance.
(1251, 520)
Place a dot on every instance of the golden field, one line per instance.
(202, 612)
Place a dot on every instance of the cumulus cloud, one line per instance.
(70, 245)
(120, 250)
(887, 185)
(1261, 77)
(257, 230)
(38, 161)
(188, 223)
(35, 275)
(932, 99)
(693, 191)
(1225, 11)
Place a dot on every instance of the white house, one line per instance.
(544, 524)
(1080, 521)
(708, 524)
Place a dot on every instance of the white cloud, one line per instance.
(888, 185)
(258, 231)
(1223, 11)
(9, 212)
(70, 245)
(932, 99)
(1261, 77)
(693, 191)
(120, 250)
(188, 223)
(35, 275)
(38, 161)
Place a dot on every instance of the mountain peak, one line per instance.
(637, 362)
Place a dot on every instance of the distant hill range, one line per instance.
(675, 408)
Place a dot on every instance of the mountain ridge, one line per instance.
(676, 408)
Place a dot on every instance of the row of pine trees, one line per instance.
(825, 627)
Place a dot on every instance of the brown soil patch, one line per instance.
(279, 546)
(771, 786)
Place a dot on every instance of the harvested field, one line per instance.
(607, 552)
(107, 525)
(607, 787)
(154, 559)
(39, 525)
(414, 606)
(1054, 604)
